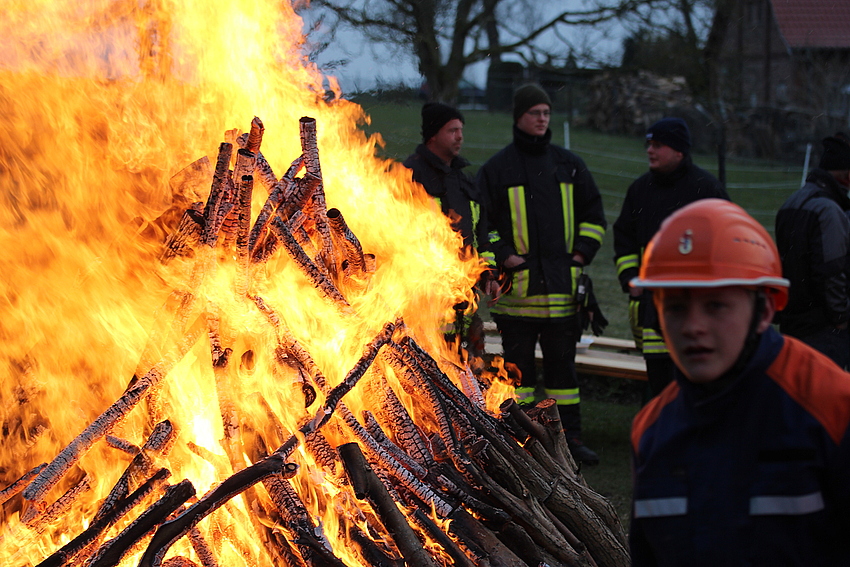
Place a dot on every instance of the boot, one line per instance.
(571, 422)
(582, 453)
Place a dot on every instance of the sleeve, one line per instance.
(590, 214)
(498, 221)
(626, 245)
(828, 251)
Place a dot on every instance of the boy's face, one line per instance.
(535, 121)
(705, 328)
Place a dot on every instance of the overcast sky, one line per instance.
(373, 64)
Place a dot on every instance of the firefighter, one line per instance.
(546, 225)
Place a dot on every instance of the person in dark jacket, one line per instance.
(437, 165)
(813, 236)
(546, 225)
(743, 459)
(673, 181)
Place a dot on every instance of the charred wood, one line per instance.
(17, 486)
(95, 531)
(367, 487)
(319, 280)
(349, 243)
(111, 553)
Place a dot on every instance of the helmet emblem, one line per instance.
(686, 243)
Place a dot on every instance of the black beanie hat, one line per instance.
(435, 115)
(671, 132)
(527, 96)
(836, 153)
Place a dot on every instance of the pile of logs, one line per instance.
(459, 487)
(622, 103)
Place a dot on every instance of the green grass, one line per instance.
(608, 404)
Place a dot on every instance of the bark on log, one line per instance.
(367, 487)
(255, 136)
(99, 526)
(310, 151)
(111, 553)
(20, 484)
(217, 192)
(348, 242)
(187, 235)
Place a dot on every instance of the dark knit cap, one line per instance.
(671, 132)
(435, 115)
(836, 153)
(527, 96)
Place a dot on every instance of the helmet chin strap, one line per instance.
(751, 341)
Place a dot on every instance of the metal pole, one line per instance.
(806, 163)
(566, 134)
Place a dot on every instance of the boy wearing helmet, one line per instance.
(745, 458)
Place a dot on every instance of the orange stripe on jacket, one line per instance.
(816, 383)
(651, 411)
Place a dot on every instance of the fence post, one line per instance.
(806, 163)
(566, 134)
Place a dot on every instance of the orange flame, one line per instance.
(102, 104)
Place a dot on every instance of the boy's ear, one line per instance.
(767, 313)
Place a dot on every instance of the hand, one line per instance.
(513, 261)
(635, 292)
(494, 290)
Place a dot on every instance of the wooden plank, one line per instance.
(595, 360)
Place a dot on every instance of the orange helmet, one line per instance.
(712, 243)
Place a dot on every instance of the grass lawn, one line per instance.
(615, 161)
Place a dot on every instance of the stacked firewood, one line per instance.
(456, 486)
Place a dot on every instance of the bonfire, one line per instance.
(221, 318)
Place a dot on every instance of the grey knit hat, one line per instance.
(527, 96)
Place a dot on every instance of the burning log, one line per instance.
(318, 208)
(73, 549)
(217, 207)
(348, 241)
(367, 486)
(320, 281)
(111, 553)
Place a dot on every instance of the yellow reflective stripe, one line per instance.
(653, 342)
(626, 262)
(537, 311)
(490, 258)
(590, 230)
(476, 216)
(564, 397)
(516, 196)
(634, 322)
(524, 394)
(567, 208)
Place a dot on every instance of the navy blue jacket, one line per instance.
(755, 472)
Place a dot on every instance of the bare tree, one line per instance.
(446, 36)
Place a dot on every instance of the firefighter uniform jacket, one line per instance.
(456, 192)
(650, 199)
(752, 471)
(813, 238)
(543, 206)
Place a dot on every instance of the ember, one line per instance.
(291, 400)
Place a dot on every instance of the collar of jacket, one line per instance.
(534, 145)
(458, 162)
(833, 188)
(669, 178)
